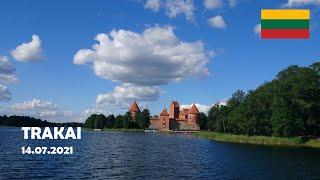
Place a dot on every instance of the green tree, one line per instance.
(288, 106)
(203, 121)
(110, 121)
(143, 119)
(118, 122)
(89, 123)
(126, 120)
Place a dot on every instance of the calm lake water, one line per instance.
(121, 155)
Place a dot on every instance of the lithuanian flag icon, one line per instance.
(285, 23)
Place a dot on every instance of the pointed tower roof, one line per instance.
(193, 110)
(134, 107)
(175, 103)
(164, 112)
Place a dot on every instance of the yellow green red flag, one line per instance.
(285, 23)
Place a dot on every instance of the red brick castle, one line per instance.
(184, 120)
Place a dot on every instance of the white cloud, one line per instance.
(201, 107)
(222, 102)
(7, 71)
(35, 104)
(217, 22)
(7, 76)
(154, 5)
(174, 8)
(154, 57)
(30, 51)
(5, 95)
(141, 62)
(232, 3)
(212, 4)
(257, 29)
(299, 3)
(45, 110)
(88, 112)
(123, 95)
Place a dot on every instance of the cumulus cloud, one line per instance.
(299, 3)
(257, 29)
(35, 104)
(5, 95)
(7, 71)
(217, 22)
(172, 8)
(154, 5)
(7, 76)
(123, 95)
(45, 110)
(141, 62)
(212, 4)
(154, 57)
(31, 51)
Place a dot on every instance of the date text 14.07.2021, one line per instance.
(46, 150)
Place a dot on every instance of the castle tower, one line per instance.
(193, 116)
(164, 119)
(174, 110)
(134, 109)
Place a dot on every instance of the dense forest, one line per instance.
(287, 106)
(100, 121)
(26, 121)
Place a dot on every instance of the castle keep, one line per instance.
(175, 119)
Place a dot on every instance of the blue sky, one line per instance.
(50, 84)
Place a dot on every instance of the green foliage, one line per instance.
(143, 119)
(95, 121)
(126, 120)
(110, 121)
(203, 121)
(119, 122)
(286, 106)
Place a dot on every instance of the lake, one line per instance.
(124, 155)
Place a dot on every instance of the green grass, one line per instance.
(264, 140)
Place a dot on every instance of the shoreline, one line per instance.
(259, 140)
(125, 130)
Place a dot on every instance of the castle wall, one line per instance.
(161, 123)
(183, 125)
(155, 124)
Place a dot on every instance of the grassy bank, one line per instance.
(264, 140)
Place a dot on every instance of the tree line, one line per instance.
(100, 121)
(287, 106)
(26, 121)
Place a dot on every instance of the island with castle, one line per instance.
(174, 120)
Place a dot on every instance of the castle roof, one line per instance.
(134, 107)
(164, 112)
(194, 110)
(184, 111)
